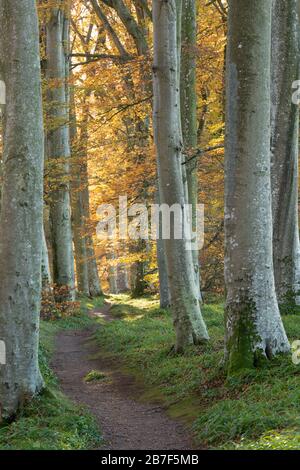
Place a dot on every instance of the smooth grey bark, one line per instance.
(189, 324)
(188, 98)
(254, 329)
(93, 275)
(78, 219)
(21, 220)
(285, 152)
(164, 291)
(58, 149)
(47, 232)
(46, 273)
(79, 238)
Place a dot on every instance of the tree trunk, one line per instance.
(94, 281)
(254, 329)
(79, 238)
(122, 278)
(112, 280)
(78, 219)
(284, 153)
(112, 275)
(58, 149)
(21, 219)
(95, 289)
(139, 127)
(189, 325)
(164, 291)
(46, 274)
(133, 28)
(139, 284)
(188, 109)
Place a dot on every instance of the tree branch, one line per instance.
(202, 151)
(107, 26)
(133, 28)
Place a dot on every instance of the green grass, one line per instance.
(259, 410)
(51, 421)
(94, 376)
(88, 304)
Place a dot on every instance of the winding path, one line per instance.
(126, 422)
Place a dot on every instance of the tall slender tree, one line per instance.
(138, 31)
(21, 222)
(254, 329)
(58, 146)
(78, 220)
(88, 281)
(189, 325)
(285, 151)
(45, 267)
(93, 275)
(137, 128)
(189, 122)
(164, 291)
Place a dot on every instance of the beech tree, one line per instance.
(189, 324)
(58, 147)
(254, 328)
(86, 264)
(138, 129)
(21, 220)
(164, 291)
(78, 224)
(88, 282)
(135, 19)
(188, 101)
(45, 267)
(285, 151)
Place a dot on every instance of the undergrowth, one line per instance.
(260, 410)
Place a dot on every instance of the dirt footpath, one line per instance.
(126, 423)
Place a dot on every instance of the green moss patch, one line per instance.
(94, 376)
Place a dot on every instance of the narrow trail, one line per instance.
(126, 423)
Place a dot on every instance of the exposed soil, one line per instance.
(126, 422)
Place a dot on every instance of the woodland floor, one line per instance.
(116, 362)
(112, 397)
